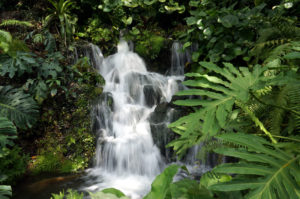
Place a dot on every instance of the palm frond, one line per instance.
(265, 171)
(18, 107)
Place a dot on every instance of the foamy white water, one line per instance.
(126, 157)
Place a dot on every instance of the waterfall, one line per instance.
(180, 58)
(126, 156)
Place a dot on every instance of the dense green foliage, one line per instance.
(35, 79)
(243, 77)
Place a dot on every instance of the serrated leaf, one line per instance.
(266, 169)
(216, 93)
(17, 106)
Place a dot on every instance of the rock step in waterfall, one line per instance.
(126, 113)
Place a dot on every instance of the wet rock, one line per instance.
(163, 115)
(102, 111)
(135, 81)
(115, 77)
(152, 95)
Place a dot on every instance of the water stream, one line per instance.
(126, 157)
(130, 120)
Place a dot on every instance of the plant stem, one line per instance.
(256, 120)
(277, 136)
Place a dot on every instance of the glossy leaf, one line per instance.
(160, 187)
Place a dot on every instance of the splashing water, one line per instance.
(126, 157)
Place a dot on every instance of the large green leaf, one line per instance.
(7, 131)
(5, 192)
(17, 64)
(116, 192)
(218, 92)
(188, 127)
(160, 187)
(265, 170)
(18, 107)
(102, 195)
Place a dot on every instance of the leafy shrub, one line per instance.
(98, 33)
(51, 162)
(71, 194)
(13, 163)
(150, 46)
(60, 11)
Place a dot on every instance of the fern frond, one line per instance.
(14, 22)
(265, 170)
(277, 55)
(188, 127)
(17, 106)
(222, 94)
(277, 115)
(226, 91)
(294, 103)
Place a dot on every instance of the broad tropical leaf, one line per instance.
(221, 93)
(7, 132)
(18, 64)
(265, 170)
(160, 187)
(109, 193)
(218, 94)
(5, 192)
(190, 132)
(18, 107)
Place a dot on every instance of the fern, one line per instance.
(189, 129)
(265, 170)
(222, 95)
(279, 57)
(14, 22)
(294, 103)
(232, 91)
(17, 106)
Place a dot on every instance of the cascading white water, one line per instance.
(126, 157)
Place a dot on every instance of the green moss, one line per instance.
(150, 46)
(149, 43)
(68, 144)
